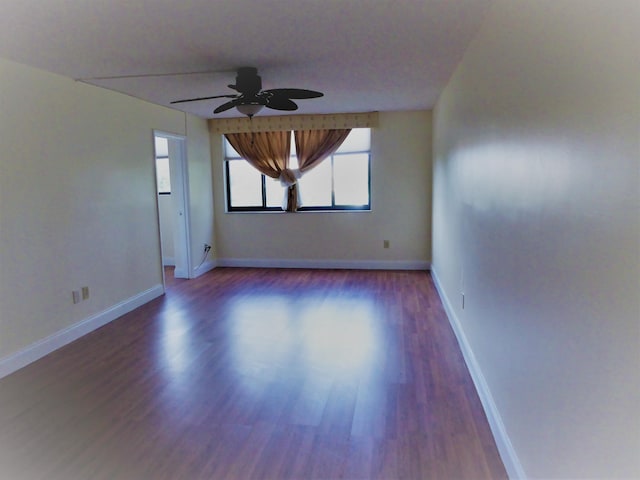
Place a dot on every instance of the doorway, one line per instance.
(172, 196)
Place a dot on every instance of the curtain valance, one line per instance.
(293, 122)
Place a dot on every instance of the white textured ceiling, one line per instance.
(365, 55)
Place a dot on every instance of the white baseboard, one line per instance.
(43, 347)
(204, 268)
(331, 264)
(505, 447)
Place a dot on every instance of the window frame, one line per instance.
(322, 208)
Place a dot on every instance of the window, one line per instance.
(162, 166)
(340, 182)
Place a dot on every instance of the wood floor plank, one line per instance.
(256, 374)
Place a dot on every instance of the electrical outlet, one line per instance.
(85, 293)
(385, 243)
(463, 301)
(75, 295)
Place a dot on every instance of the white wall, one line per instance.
(401, 209)
(200, 195)
(537, 219)
(77, 204)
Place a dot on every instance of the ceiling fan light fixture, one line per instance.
(249, 109)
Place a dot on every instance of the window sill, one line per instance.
(278, 211)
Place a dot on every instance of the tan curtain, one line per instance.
(312, 147)
(266, 151)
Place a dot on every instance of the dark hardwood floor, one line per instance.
(256, 373)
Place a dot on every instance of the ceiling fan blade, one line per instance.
(227, 106)
(277, 102)
(297, 93)
(204, 98)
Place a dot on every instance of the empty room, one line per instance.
(300, 239)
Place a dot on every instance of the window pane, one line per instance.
(315, 186)
(162, 147)
(162, 172)
(245, 184)
(229, 151)
(359, 140)
(351, 179)
(275, 192)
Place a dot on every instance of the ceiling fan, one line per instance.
(251, 98)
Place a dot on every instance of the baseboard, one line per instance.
(204, 268)
(331, 264)
(43, 347)
(505, 447)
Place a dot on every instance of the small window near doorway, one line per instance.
(163, 172)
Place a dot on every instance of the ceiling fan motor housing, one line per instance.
(248, 82)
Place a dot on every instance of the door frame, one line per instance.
(181, 222)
